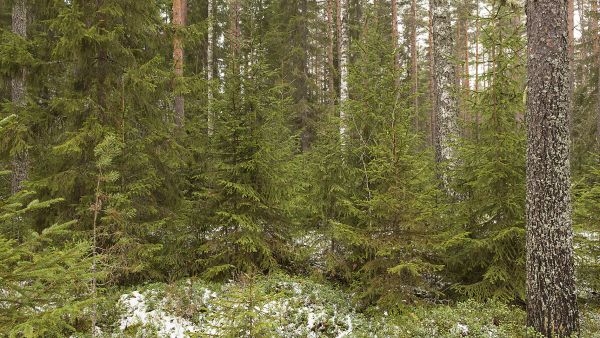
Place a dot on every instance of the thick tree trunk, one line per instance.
(445, 81)
(209, 68)
(179, 10)
(20, 163)
(343, 56)
(551, 299)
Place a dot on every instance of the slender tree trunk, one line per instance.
(466, 76)
(179, 10)
(209, 68)
(343, 56)
(551, 299)
(303, 91)
(477, 116)
(595, 32)
(432, 89)
(20, 163)
(330, 42)
(445, 81)
(395, 33)
(413, 61)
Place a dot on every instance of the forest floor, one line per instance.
(283, 306)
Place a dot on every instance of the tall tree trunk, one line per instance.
(571, 50)
(303, 91)
(466, 76)
(413, 61)
(395, 33)
(551, 299)
(343, 56)
(432, 89)
(209, 68)
(179, 10)
(477, 116)
(330, 42)
(595, 32)
(20, 163)
(445, 81)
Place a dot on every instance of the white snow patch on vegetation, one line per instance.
(138, 313)
(270, 308)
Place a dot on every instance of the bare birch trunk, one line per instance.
(179, 9)
(209, 69)
(445, 81)
(20, 163)
(551, 299)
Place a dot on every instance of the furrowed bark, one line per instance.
(20, 162)
(551, 299)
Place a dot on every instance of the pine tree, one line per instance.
(551, 300)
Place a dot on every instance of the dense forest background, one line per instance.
(152, 141)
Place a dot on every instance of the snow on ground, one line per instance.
(138, 313)
(281, 308)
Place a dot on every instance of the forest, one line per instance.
(299, 168)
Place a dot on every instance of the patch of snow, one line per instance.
(166, 325)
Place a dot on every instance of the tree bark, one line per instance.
(445, 81)
(20, 162)
(179, 9)
(413, 61)
(571, 49)
(395, 33)
(466, 76)
(209, 68)
(596, 56)
(477, 116)
(432, 90)
(343, 56)
(330, 42)
(551, 299)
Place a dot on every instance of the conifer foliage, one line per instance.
(379, 146)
